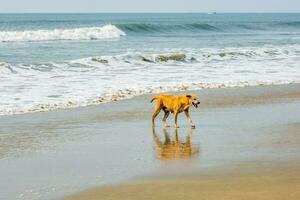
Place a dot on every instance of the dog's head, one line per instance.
(193, 100)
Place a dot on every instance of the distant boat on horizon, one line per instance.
(212, 13)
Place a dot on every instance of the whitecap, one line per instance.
(104, 78)
(86, 33)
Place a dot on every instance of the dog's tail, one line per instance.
(154, 98)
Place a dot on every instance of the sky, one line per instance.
(149, 6)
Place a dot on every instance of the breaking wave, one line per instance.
(87, 33)
(99, 79)
(118, 30)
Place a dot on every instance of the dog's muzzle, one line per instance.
(196, 104)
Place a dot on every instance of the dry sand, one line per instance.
(271, 184)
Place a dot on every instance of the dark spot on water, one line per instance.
(54, 96)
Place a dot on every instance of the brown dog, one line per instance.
(174, 104)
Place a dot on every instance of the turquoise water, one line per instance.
(145, 31)
(50, 60)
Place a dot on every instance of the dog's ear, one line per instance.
(188, 96)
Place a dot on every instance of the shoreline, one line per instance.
(50, 155)
(127, 94)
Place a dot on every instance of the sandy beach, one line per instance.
(245, 146)
(283, 183)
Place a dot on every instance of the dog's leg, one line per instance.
(155, 113)
(165, 118)
(156, 138)
(167, 136)
(188, 137)
(175, 119)
(176, 135)
(186, 112)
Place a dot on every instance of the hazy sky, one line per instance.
(149, 5)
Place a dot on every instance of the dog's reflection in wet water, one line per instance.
(174, 147)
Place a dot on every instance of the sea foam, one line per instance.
(100, 79)
(86, 33)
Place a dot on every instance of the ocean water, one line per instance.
(53, 61)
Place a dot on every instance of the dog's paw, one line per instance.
(166, 125)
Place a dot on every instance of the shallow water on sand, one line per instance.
(48, 155)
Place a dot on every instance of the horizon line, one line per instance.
(155, 12)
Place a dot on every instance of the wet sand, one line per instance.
(260, 180)
(247, 141)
